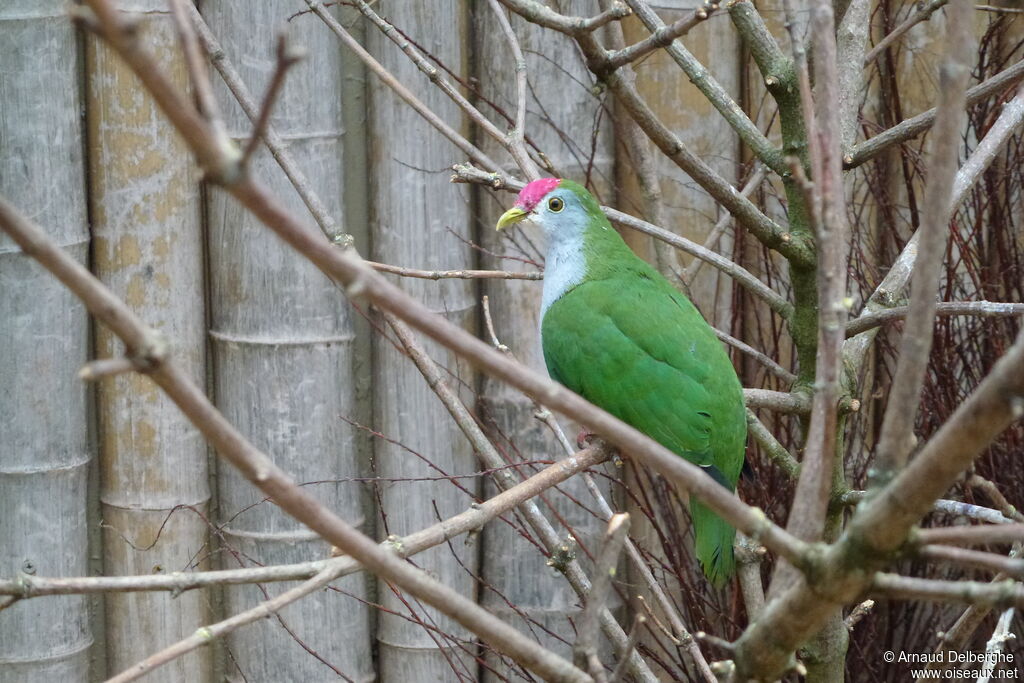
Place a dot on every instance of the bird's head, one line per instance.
(562, 208)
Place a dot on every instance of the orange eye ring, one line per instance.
(555, 204)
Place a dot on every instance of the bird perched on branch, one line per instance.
(615, 331)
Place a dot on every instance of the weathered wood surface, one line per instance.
(419, 219)
(282, 339)
(562, 114)
(148, 247)
(45, 450)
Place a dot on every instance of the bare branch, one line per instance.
(287, 57)
(207, 634)
(539, 14)
(198, 74)
(1001, 594)
(257, 467)
(775, 450)
(455, 274)
(880, 527)
(983, 309)
(634, 637)
(896, 437)
(108, 367)
(474, 518)
(396, 86)
(271, 139)
(585, 648)
(492, 459)
(922, 12)
(809, 511)
(892, 285)
(361, 280)
(997, 643)
(722, 225)
(515, 142)
(912, 127)
(858, 613)
(955, 508)
(772, 367)
(698, 75)
(972, 535)
(662, 35)
(780, 402)
(748, 567)
(1010, 566)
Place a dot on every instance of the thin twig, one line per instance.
(778, 453)
(362, 281)
(256, 466)
(972, 535)
(997, 643)
(858, 613)
(287, 57)
(955, 508)
(455, 274)
(774, 368)
(585, 648)
(406, 95)
(486, 451)
(634, 638)
(662, 34)
(895, 441)
(1003, 593)
(196, 65)
(515, 141)
(942, 308)
(690, 272)
(539, 14)
(699, 75)
(914, 126)
(233, 80)
(922, 12)
(1013, 567)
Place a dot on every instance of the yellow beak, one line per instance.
(511, 217)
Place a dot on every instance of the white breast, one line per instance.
(564, 268)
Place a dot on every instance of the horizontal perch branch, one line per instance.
(479, 514)
(1005, 593)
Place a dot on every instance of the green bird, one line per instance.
(615, 331)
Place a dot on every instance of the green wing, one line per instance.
(636, 347)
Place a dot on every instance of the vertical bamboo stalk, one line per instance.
(412, 208)
(283, 355)
(44, 333)
(561, 117)
(144, 197)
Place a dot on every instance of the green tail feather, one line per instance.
(714, 537)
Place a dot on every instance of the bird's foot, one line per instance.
(584, 438)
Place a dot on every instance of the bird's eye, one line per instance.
(556, 204)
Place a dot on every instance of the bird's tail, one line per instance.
(714, 537)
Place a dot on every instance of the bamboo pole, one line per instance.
(283, 361)
(45, 451)
(558, 97)
(144, 197)
(412, 208)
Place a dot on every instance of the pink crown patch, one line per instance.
(535, 191)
